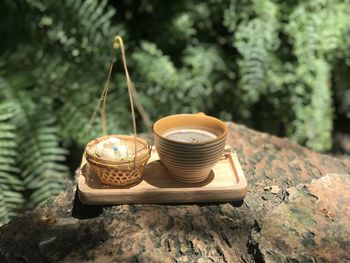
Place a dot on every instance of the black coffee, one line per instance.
(190, 135)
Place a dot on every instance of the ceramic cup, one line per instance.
(189, 145)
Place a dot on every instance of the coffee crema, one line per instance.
(190, 135)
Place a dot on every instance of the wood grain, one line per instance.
(226, 182)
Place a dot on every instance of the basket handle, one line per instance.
(118, 43)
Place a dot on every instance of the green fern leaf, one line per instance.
(41, 160)
(256, 40)
(11, 199)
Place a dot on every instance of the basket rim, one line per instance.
(118, 164)
(104, 161)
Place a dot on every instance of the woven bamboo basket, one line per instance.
(123, 171)
(118, 172)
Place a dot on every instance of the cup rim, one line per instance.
(222, 136)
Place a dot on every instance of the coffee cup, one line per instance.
(189, 145)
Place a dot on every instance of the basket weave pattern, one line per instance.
(116, 176)
(119, 172)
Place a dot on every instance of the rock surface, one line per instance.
(311, 225)
(297, 210)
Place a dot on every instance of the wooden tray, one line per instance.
(225, 183)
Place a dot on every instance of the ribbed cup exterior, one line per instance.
(190, 162)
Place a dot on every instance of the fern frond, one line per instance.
(313, 38)
(312, 105)
(153, 65)
(86, 31)
(157, 76)
(200, 77)
(74, 116)
(11, 199)
(256, 40)
(190, 84)
(41, 158)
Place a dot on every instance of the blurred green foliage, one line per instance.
(274, 65)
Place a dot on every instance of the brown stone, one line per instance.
(312, 225)
(308, 213)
